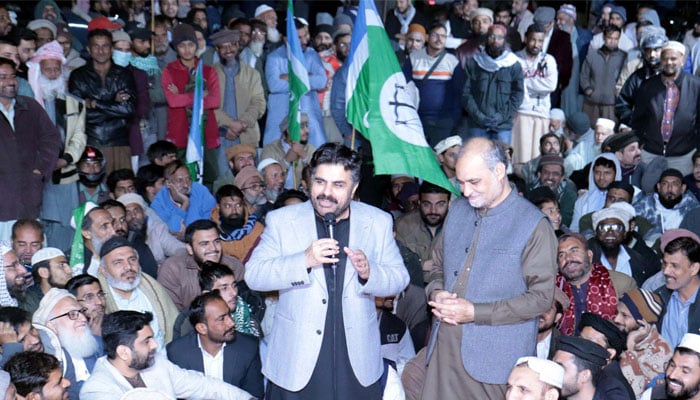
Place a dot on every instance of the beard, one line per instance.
(323, 47)
(257, 200)
(97, 244)
(432, 220)
(271, 194)
(669, 202)
(232, 222)
(17, 290)
(256, 47)
(140, 363)
(495, 51)
(273, 35)
(52, 89)
(685, 392)
(138, 226)
(124, 286)
(78, 345)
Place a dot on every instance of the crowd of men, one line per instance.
(567, 267)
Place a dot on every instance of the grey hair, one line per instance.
(493, 154)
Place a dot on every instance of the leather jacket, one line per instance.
(106, 125)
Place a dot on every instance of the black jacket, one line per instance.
(642, 267)
(107, 123)
(624, 103)
(648, 113)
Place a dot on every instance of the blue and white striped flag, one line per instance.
(298, 75)
(194, 157)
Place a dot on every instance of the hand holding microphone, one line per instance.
(323, 251)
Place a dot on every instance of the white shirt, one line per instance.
(213, 365)
(623, 262)
(543, 347)
(139, 302)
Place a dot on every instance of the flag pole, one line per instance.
(153, 26)
(352, 139)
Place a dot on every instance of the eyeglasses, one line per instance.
(435, 35)
(90, 297)
(499, 37)
(255, 186)
(72, 314)
(610, 227)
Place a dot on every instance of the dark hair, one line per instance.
(604, 162)
(611, 28)
(562, 143)
(29, 371)
(228, 191)
(210, 272)
(334, 153)
(27, 223)
(26, 34)
(7, 61)
(100, 32)
(257, 23)
(159, 149)
(36, 267)
(435, 25)
(520, 184)
(689, 247)
(339, 36)
(503, 6)
(14, 316)
(111, 203)
(119, 175)
(87, 219)
(429, 188)
(147, 176)
(79, 281)
(623, 186)
(163, 21)
(199, 225)
(199, 305)
(120, 328)
(576, 236)
(539, 201)
(286, 195)
(696, 155)
(582, 364)
(684, 351)
(172, 167)
(535, 28)
(239, 22)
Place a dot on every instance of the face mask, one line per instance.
(121, 58)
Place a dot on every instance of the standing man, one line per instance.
(325, 321)
(479, 307)
(493, 88)
(667, 126)
(540, 79)
(439, 79)
(109, 93)
(29, 143)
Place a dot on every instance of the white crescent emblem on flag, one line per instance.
(398, 105)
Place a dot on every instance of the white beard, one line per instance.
(256, 47)
(52, 89)
(78, 345)
(273, 35)
(124, 286)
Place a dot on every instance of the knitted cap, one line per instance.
(245, 175)
(544, 15)
(568, 9)
(182, 33)
(643, 304)
(235, 150)
(482, 12)
(42, 23)
(578, 122)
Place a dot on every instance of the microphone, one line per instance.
(329, 220)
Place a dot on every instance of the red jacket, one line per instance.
(178, 126)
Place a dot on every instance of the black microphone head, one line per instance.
(329, 219)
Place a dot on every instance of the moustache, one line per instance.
(328, 198)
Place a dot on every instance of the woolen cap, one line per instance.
(244, 175)
(284, 125)
(118, 36)
(673, 234)
(619, 141)
(619, 10)
(643, 304)
(47, 304)
(102, 23)
(583, 349)
(544, 15)
(182, 33)
(417, 28)
(225, 36)
(235, 150)
(578, 122)
(42, 23)
(47, 253)
(113, 244)
(610, 212)
(551, 159)
(569, 10)
(616, 338)
(550, 372)
(482, 12)
(557, 113)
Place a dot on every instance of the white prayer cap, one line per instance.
(550, 372)
(446, 143)
(557, 113)
(129, 198)
(674, 45)
(691, 341)
(618, 213)
(262, 9)
(47, 304)
(605, 123)
(46, 253)
(265, 163)
(88, 207)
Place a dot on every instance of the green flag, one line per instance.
(298, 75)
(382, 106)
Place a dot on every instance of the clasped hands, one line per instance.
(449, 308)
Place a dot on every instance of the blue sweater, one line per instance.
(201, 204)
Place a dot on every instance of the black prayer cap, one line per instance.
(583, 349)
(616, 338)
(113, 244)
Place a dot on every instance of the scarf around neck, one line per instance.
(490, 64)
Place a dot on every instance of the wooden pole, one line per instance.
(153, 26)
(352, 139)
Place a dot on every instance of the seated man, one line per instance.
(162, 153)
(37, 375)
(127, 288)
(150, 180)
(240, 230)
(215, 349)
(530, 375)
(18, 333)
(666, 208)
(121, 181)
(550, 173)
(251, 183)
(178, 274)
(583, 361)
(446, 151)
(292, 156)
(273, 177)
(609, 244)
(681, 369)
(637, 313)
(50, 269)
(550, 143)
(15, 288)
(87, 290)
(181, 201)
(611, 382)
(547, 332)
(605, 169)
(239, 156)
(132, 361)
(95, 224)
(61, 313)
(145, 225)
